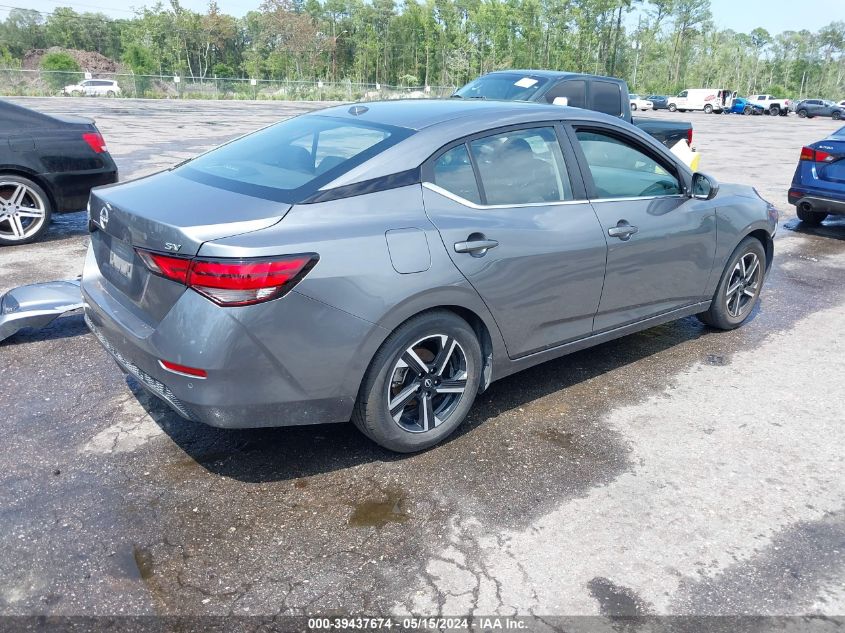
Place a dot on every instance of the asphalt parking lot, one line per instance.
(676, 471)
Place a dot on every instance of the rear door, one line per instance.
(661, 242)
(511, 211)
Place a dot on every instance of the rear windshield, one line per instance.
(290, 160)
(503, 87)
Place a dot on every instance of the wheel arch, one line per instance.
(29, 175)
(465, 304)
(768, 244)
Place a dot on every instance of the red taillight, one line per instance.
(95, 141)
(233, 282)
(175, 268)
(808, 153)
(689, 136)
(184, 370)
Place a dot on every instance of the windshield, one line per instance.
(503, 87)
(293, 158)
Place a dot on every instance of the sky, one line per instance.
(773, 15)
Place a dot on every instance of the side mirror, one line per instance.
(564, 101)
(704, 187)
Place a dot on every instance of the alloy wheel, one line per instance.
(22, 211)
(744, 285)
(427, 383)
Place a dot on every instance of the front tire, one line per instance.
(673, 107)
(836, 116)
(708, 109)
(25, 210)
(421, 383)
(774, 110)
(802, 113)
(739, 288)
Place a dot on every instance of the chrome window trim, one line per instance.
(559, 203)
(473, 205)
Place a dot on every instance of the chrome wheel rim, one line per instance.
(22, 211)
(744, 285)
(427, 383)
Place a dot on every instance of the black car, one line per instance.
(593, 92)
(808, 108)
(47, 164)
(661, 102)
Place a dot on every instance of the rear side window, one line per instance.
(574, 91)
(453, 172)
(621, 170)
(606, 97)
(522, 167)
(296, 156)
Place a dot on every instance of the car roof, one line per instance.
(439, 122)
(418, 114)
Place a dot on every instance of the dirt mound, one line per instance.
(89, 61)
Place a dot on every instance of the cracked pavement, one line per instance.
(675, 471)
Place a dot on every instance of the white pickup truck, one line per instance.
(772, 105)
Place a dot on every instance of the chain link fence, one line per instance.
(40, 83)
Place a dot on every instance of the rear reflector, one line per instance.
(808, 153)
(184, 370)
(233, 282)
(95, 141)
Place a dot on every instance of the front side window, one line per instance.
(620, 170)
(453, 172)
(297, 155)
(522, 167)
(575, 92)
(683, 94)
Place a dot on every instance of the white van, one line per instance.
(706, 99)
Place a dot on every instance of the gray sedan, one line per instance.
(386, 262)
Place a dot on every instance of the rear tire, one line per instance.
(802, 113)
(836, 116)
(634, 107)
(25, 210)
(708, 109)
(739, 287)
(774, 110)
(429, 401)
(811, 218)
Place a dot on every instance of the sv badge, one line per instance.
(170, 246)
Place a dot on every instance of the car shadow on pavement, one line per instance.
(832, 227)
(284, 453)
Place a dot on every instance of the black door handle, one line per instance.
(622, 230)
(476, 245)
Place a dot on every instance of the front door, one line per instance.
(524, 237)
(661, 242)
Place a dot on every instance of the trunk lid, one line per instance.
(832, 168)
(169, 214)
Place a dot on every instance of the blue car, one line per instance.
(741, 105)
(818, 186)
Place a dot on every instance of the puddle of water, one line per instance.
(380, 513)
(143, 561)
(564, 439)
(717, 360)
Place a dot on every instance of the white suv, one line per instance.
(93, 88)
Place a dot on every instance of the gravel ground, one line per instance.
(676, 471)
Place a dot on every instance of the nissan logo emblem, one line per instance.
(104, 216)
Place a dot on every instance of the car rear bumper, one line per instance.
(821, 203)
(71, 189)
(287, 362)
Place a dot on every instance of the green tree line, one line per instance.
(657, 45)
